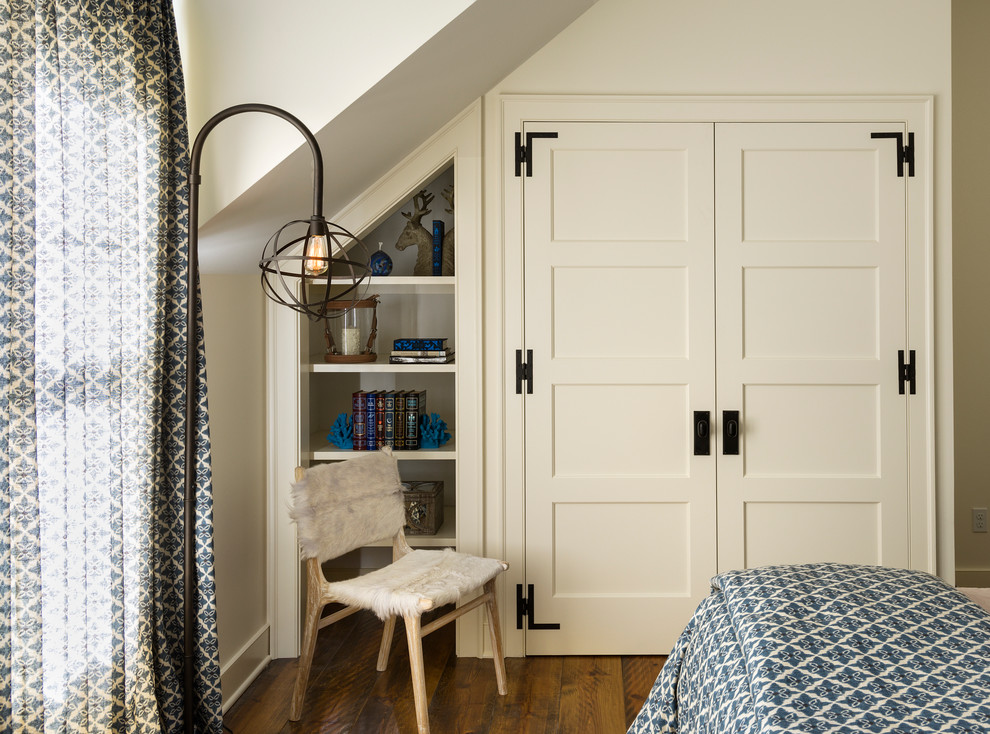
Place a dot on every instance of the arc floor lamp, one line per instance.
(321, 253)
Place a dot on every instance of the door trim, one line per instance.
(503, 268)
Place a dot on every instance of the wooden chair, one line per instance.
(342, 506)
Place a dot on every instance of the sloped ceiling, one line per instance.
(460, 63)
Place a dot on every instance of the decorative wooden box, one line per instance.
(424, 507)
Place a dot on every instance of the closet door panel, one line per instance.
(620, 513)
(805, 532)
(791, 312)
(810, 304)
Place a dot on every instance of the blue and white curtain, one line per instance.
(93, 150)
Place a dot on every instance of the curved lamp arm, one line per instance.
(197, 149)
(192, 360)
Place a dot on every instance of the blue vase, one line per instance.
(380, 263)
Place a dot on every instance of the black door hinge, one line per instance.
(905, 153)
(524, 371)
(524, 609)
(524, 153)
(906, 371)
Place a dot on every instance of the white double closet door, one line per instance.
(678, 268)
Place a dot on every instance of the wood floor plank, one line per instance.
(465, 697)
(389, 706)
(532, 703)
(337, 692)
(591, 696)
(638, 675)
(264, 707)
(268, 698)
(547, 695)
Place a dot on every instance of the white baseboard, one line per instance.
(238, 673)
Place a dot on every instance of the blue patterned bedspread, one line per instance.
(826, 648)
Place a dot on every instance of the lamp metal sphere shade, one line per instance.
(341, 258)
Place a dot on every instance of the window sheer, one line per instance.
(92, 350)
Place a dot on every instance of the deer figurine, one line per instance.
(414, 233)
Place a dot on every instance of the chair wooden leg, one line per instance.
(415, 642)
(311, 627)
(386, 647)
(496, 632)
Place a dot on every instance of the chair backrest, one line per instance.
(343, 506)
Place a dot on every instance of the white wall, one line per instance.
(971, 268)
(761, 47)
(233, 314)
(752, 47)
(312, 57)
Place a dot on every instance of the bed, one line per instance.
(826, 648)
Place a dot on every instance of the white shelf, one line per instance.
(415, 284)
(325, 451)
(316, 364)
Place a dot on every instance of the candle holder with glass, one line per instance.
(350, 328)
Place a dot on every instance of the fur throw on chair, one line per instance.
(417, 582)
(343, 506)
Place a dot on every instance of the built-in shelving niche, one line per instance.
(410, 306)
(306, 394)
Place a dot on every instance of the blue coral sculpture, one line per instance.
(342, 434)
(432, 432)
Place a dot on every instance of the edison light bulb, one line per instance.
(316, 259)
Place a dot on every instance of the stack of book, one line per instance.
(387, 418)
(421, 351)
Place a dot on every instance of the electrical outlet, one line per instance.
(979, 519)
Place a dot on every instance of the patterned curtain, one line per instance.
(93, 150)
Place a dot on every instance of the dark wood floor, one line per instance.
(579, 695)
